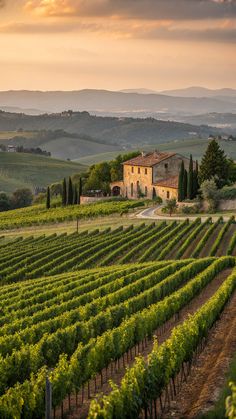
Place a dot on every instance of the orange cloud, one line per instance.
(51, 7)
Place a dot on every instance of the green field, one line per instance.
(19, 170)
(196, 147)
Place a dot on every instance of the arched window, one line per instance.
(132, 189)
(146, 190)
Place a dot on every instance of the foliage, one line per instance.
(227, 193)
(5, 203)
(48, 200)
(22, 198)
(210, 193)
(190, 187)
(215, 165)
(170, 207)
(64, 193)
(231, 403)
(56, 189)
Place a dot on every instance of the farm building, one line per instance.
(149, 175)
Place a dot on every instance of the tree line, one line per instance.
(70, 192)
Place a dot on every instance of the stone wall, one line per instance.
(92, 199)
(134, 176)
(169, 167)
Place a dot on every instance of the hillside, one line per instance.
(84, 134)
(20, 170)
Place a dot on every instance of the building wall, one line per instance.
(166, 193)
(135, 174)
(169, 167)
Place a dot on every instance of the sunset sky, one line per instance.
(117, 44)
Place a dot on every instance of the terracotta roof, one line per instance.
(149, 159)
(171, 182)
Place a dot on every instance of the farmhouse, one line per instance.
(150, 175)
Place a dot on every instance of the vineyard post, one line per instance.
(48, 399)
(77, 224)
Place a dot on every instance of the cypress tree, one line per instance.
(48, 201)
(214, 164)
(64, 193)
(181, 194)
(70, 192)
(195, 181)
(80, 191)
(190, 179)
(185, 183)
(75, 197)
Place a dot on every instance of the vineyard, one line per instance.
(77, 309)
(38, 214)
(29, 258)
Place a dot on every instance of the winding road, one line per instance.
(150, 214)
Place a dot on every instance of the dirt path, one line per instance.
(225, 241)
(208, 245)
(163, 333)
(188, 252)
(201, 391)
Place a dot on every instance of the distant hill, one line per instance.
(93, 135)
(19, 170)
(104, 101)
(201, 92)
(225, 121)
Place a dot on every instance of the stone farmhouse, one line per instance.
(150, 175)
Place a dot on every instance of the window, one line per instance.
(132, 169)
(146, 191)
(145, 171)
(139, 170)
(166, 165)
(132, 189)
(168, 194)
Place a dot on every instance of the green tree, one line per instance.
(5, 203)
(22, 198)
(214, 164)
(70, 192)
(80, 191)
(75, 195)
(181, 192)
(210, 193)
(190, 179)
(185, 183)
(99, 178)
(56, 189)
(48, 200)
(171, 206)
(64, 193)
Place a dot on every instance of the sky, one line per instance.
(117, 44)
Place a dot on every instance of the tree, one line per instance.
(56, 189)
(171, 206)
(190, 179)
(70, 192)
(215, 165)
(181, 192)
(48, 200)
(185, 183)
(5, 203)
(22, 198)
(80, 190)
(99, 178)
(75, 195)
(64, 193)
(210, 193)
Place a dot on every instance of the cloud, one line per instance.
(136, 9)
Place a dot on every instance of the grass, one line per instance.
(218, 412)
(19, 170)
(7, 135)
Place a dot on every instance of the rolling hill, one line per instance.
(78, 134)
(19, 170)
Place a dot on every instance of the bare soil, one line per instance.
(116, 371)
(201, 391)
